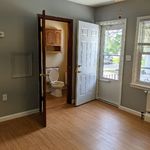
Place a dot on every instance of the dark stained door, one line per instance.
(42, 67)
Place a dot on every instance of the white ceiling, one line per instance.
(95, 2)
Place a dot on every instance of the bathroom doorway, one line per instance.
(55, 55)
(56, 63)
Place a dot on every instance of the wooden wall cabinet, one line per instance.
(53, 40)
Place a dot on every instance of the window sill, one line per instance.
(140, 86)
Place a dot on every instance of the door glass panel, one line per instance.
(111, 67)
(111, 53)
(145, 69)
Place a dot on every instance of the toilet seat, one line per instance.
(57, 84)
(53, 75)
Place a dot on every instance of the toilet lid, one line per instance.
(53, 75)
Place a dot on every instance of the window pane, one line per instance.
(112, 42)
(144, 32)
(145, 69)
(145, 48)
(111, 67)
(112, 51)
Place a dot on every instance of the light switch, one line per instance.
(128, 58)
(4, 97)
(2, 34)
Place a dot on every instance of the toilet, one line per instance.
(52, 78)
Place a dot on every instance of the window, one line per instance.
(141, 66)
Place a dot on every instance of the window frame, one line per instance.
(117, 23)
(136, 83)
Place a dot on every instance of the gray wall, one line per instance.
(19, 22)
(131, 9)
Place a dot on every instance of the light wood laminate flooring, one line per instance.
(93, 126)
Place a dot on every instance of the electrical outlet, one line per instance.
(4, 97)
(2, 34)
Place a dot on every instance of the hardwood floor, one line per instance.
(55, 102)
(93, 126)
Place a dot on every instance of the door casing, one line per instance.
(113, 22)
(70, 52)
(69, 57)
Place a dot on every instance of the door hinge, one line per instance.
(41, 28)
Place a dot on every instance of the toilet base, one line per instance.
(57, 93)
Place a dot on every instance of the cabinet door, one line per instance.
(50, 37)
(58, 37)
(53, 37)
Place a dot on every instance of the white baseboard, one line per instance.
(147, 117)
(107, 102)
(131, 111)
(18, 115)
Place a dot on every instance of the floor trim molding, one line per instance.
(18, 115)
(131, 111)
(107, 102)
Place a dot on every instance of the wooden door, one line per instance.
(88, 36)
(42, 67)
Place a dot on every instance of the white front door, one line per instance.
(111, 61)
(88, 39)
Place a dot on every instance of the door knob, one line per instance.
(44, 75)
(77, 69)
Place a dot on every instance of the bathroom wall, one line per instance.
(59, 59)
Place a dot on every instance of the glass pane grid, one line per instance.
(111, 54)
(145, 68)
(144, 49)
(144, 31)
(143, 53)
